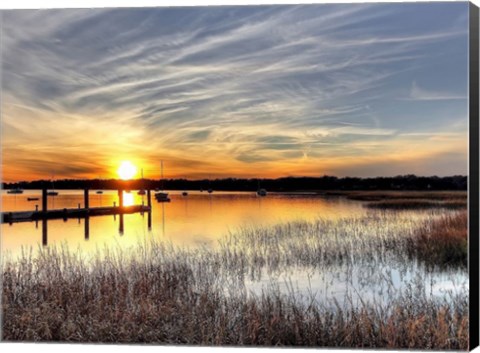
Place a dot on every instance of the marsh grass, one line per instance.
(416, 204)
(405, 195)
(158, 293)
(442, 242)
(408, 200)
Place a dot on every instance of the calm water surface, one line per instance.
(201, 219)
(197, 219)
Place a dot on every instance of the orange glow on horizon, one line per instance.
(404, 155)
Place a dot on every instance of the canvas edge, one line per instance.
(473, 178)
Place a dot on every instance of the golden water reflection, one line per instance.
(128, 199)
(198, 219)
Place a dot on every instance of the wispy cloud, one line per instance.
(241, 89)
(421, 94)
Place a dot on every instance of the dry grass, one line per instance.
(58, 298)
(408, 200)
(434, 236)
(415, 204)
(391, 195)
(442, 242)
(157, 293)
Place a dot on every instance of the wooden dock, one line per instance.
(28, 216)
(85, 212)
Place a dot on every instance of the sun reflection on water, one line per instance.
(128, 199)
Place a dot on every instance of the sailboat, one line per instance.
(99, 192)
(162, 196)
(210, 190)
(185, 193)
(52, 192)
(261, 192)
(141, 191)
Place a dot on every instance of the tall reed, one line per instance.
(155, 292)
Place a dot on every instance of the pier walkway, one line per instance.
(85, 212)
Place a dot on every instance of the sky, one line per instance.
(236, 91)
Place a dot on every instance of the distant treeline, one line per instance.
(403, 182)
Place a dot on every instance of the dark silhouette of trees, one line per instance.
(401, 182)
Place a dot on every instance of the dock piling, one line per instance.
(44, 233)
(121, 225)
(87, 228)
(85, 199)
(120, 198)
(44, 200)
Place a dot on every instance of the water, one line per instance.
(201, 219)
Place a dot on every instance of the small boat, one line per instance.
(15, 191)
(99, 192)
(162, 196)
(210, 191)
(184, 193)
(53, 192)
(141, 191)
(32, 198)
(262, 192)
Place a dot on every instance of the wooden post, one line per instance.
(44, 233)
(85, 199)
(87, 228)
(44, 200)
(121, 225)
(120, 198)
(149, 220)
(149, 198)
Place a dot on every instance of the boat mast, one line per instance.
(161, 173)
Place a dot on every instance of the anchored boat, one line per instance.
(162, 196)
(141, 191)
(52, 192)
(262, 192)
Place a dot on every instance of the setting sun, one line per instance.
(127, 170)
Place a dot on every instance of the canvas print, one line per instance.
(281, 175)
